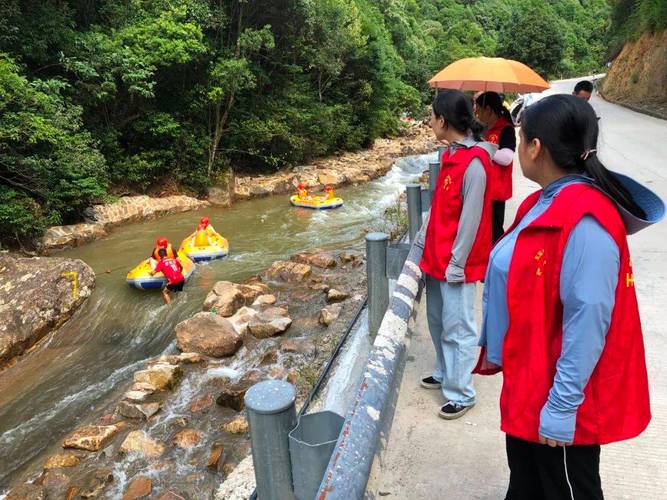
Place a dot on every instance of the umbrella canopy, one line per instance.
(489, 74)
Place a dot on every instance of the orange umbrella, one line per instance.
(489, 74)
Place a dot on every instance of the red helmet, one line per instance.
(301, 186)
(201, 227)
(328, 188)
(204, 221)
(162, 242)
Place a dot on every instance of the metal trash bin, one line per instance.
(311, 445)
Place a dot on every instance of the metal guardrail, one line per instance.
(347, 474)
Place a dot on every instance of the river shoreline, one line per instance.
(339, 170)
(178, 427)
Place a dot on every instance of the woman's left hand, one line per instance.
(552, 442)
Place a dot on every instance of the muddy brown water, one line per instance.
(72, 373)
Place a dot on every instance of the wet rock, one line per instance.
(110, 419)
(351, 257)
(299, 346)
(137, 396)
(220, 196)
(91, 437)
(74, 235)
(232, 394)
(322, 260)
(251, 291)
(320, 287)
(202, 404)
(237, 426)
(277, 372)
(27, 492)
(269, 357)
(61, 460)
(140, 443)
(55, 484)
(187, 438)
(162, 376)
(225, 298)
(95, 482)
(37, 295)
(72, 493)
(292, 376)
(139, 487)
(269, 323)
(265, 300)
(251, 377)
(216, 458)
(241, 319)
(288, 271)
(334, 295)
(330, 314)
(190, 358)
(140, 411)
(144, 387)
(209, 334)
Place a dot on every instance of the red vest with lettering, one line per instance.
(616, 399)
(446, 207)
(502, 174)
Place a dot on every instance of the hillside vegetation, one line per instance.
(127, 96)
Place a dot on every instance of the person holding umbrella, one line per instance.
(456, 249)
(560, 311)
(499, 130)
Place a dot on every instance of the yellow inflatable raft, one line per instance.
(140, 277)
(208, 245)
(316, 202)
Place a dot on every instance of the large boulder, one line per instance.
(225, 299)
(75, 235)
(241, 319)
(91, 437)
(139, 487)
(270, 322)
(208, 333)
(288, 271)
(37, 295)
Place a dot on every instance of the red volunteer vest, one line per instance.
(616, 400)
(502, 174)
(446, 208)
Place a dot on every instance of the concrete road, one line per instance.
(428, 457)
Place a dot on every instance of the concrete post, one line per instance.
(271, 416)
(434, 171)
(376, 277)
(414, 209)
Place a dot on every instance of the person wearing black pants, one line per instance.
(491, 111)
(539, 471)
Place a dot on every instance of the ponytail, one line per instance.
(494, 101)
(568, 128)
(456, 109)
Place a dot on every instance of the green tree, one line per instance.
(534, 37)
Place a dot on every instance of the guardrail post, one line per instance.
(433, 172)
(271, 416)
(376, 279)
(414, 209)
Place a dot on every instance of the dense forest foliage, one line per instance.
(103, 97)
(631, 18)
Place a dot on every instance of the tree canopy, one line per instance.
(126, 96)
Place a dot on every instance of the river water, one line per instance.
(47, 393)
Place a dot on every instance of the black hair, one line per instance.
(567, 127)
(584, 85)
(456, 109)
(495, 102)
(162, 252)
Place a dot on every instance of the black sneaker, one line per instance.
(451, 411)
(429, 383)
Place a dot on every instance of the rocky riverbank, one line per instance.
(346, 168)
(37, 295)
(178, 428)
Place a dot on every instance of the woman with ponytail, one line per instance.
(456, 249)
(491, 112)
(560, 312)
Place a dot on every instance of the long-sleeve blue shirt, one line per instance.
(588, 279)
